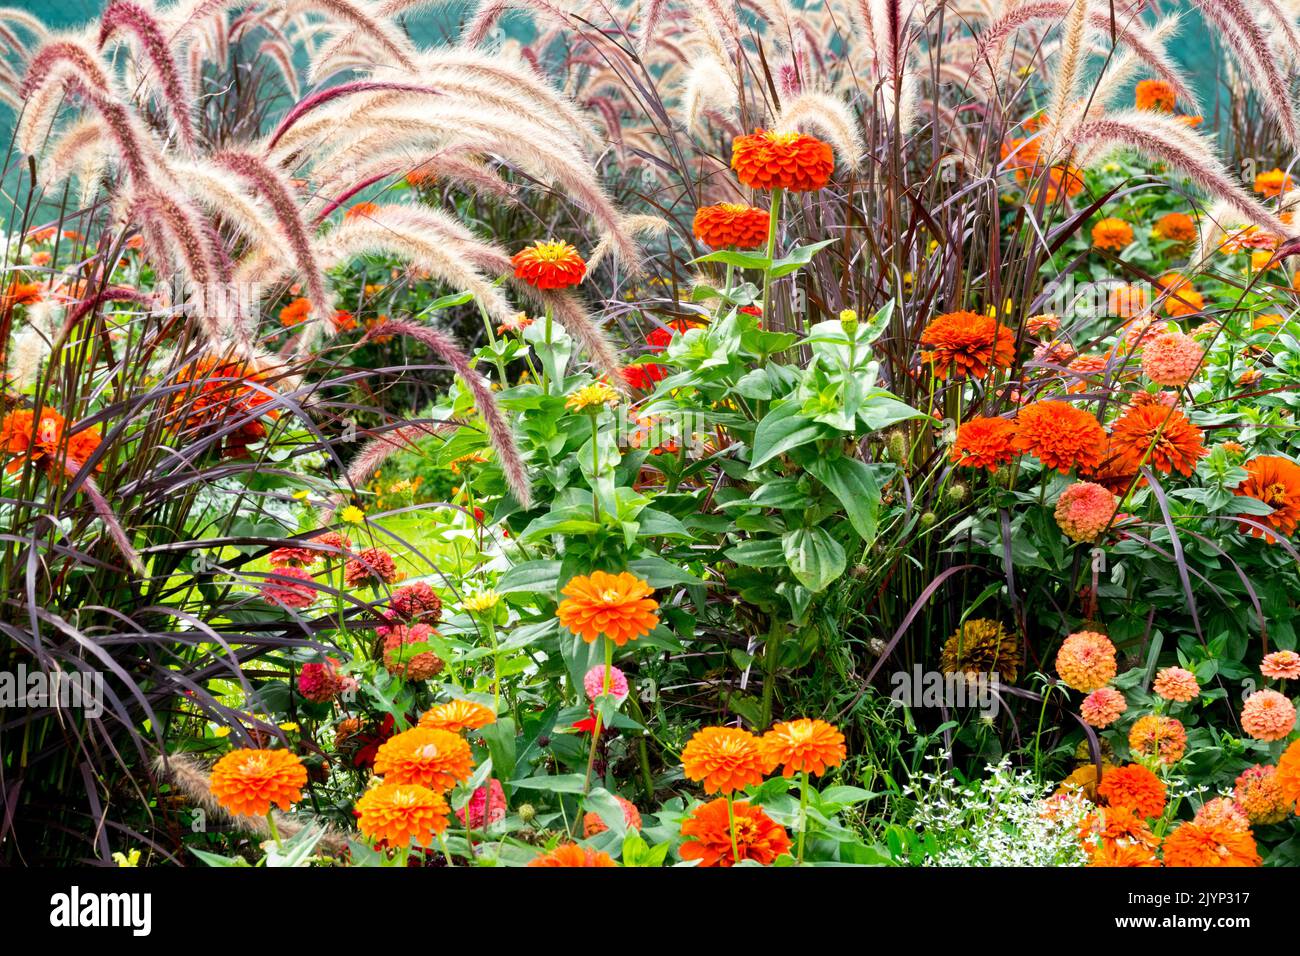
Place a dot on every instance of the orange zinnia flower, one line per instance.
(1110, 854)
(731, 225)
(570, 854)
(398, 813)
(802, 745)
(618, 606)
(1086, 661)
(724, 758)
(1059, 179)
(1287, 775)
(23, 437)
(1135, 787)
(432, 758)
(795, 162)
(984, 443)
(1194, 844)
(549, 265)
(217, 390)
(1159, 436)
(248, 782)
(1272, 183)
(1155, 95)
(458, 715)
(967, 343)
(1126, 301)
(1181, 298)
(1116, 824)
(1176, 227)
(295, 313)
(361, 209)
(708, 833)
(1112, 234)
(20, 293)
(1060, 435)
(1276, 482)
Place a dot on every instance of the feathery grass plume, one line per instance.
(1253, 50)
(321, 97)
(708, 86)
(490, 11)
(65, 155)
(27, 21)
(105, 513)
(281, 54)
(220, 192)
(378, 448)
(829, 117)
(428, 239)
(578, 323)
(125, 16)
(650, 24)
(1123, 67)
(194, 781)
(1282, 21)
(1174, 143)
(637, 225)
(499, 434)
(72, 55)
(361, 18)
(1069, 64)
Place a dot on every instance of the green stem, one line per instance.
(731, 825)
(771, 657)
(595, 731)
(803, 812)
(774, 216)
(595, 468)
(275, 832)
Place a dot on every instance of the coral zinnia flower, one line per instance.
(981, 646)
(1258, 792)
(320, 681)
(1177, 684)
(24, 437)
(1085, 509)
(1181, 299)
(1126, 301)
(725, 758)
(1288, 775)
(795, 162)
(1272, 183)
(618, 606)
(1171, 359)
(984, 443)
(1158, 436)
(1113, 854)
(1281, 665)
(549, 265)
(399, 813)
(1155, 735)
(731, 225)
(1086, 661)
(248, 782)
(486, 806)
(1192, 844)
(708, 833)
(1176, 227)
(1060, 435)
(458, 715)
(414, 602)
(1112, 234)
(436, 759)
(286, 593)
(1102, 707)
(218, 391)
(1268, 715)
(802, 745)
(295, 313)
(1135, 787)
(400, 660)
(1276, 482)
(371, 566)
(593, 824)
(967, 343)
(1155, 95)
(570, 854)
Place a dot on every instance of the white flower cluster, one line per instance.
(1003, 820)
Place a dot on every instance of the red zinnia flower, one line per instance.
(967, 343)
(549, 265)
(731, 225)
(795, 162)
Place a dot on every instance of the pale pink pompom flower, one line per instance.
(594, 683)
(1281, 665)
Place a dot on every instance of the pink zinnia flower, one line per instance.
(1268, 715)
(1102, 707)
(287, 593)
(1176, 684)
(1171, 359)
(1085, 509)
(594, 683)
(1281, 665)
(486, 806)
(320, 681)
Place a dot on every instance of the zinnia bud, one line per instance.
(849, 322)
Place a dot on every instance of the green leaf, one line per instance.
(815, 558)
(214, 859)
(758, 553)
(659, 573)
(557, 783)
(541, 576)
(742, 260)
(782, 429)
(799, 257)
(854, 484)
(602, 802)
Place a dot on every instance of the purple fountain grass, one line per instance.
(1254, 51)
(499, 434)
(380, 447)
(321, 97)
(123, 15)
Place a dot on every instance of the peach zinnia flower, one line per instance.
(1272, 183)
(708, 832)
(618, 606)
(967, 344)
(1085, 509)
(572, 855)
(399, 813)
(802, 745)
(1177, 684)
(593, 824)
(1060, 435)
(1181, 299)
(1268, 715)
(458, 715)
(1281, 665)
(432, 758)
(1086, 661)
(795, 162)
(1224, 812)
(1155, 95)
(1160, 437)
(1258, 792)
(1112, 234)
(1102, 707)
(1171, 359)
(248, 782)
(1126, 301)
(1135, 787)
(1192, 844)
(1155, 735)
(726, 759)
(549, 265)
(1176, 227)
(1276, 482)
(984, 443)
(731, 226)
(1288, 775)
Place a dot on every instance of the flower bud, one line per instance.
(849, 322)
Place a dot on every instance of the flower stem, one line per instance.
(774, 216)
(731, 826)
(595, 731)
(803, 812)
(275, 831)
